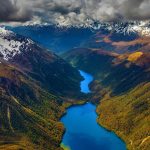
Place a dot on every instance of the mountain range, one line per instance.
(36, 85)
(57, 39)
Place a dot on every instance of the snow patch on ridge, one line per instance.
(11, 45)
(142, 28)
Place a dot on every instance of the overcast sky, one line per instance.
(73, 12)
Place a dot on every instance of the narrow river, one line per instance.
(82, 130)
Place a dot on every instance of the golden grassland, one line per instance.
(134, 56)
(128, 115)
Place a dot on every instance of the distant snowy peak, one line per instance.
(12, 44)
(141, 28)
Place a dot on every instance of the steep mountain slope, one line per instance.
(58, 39)
(122, 86)
(28, 114)
(45, 67)
(33, 83)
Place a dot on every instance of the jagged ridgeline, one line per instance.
(33, 83)
(121, 68)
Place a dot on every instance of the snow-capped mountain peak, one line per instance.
(12, 44)
(141, 28)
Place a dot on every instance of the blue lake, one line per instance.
(84, 85)
(82, 130)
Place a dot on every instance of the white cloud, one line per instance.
(73, 12)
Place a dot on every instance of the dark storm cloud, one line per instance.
(63, 8)
(73, 12)
(136, 9)
(11, 10)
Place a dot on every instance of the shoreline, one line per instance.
(99, 124)
(113, 131)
